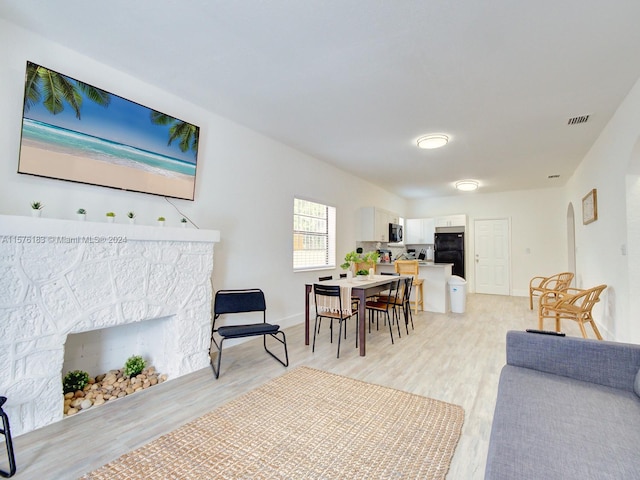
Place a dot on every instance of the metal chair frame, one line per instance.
(402, 300)
(6, 431)
(244, 301)
(406, 303)
(383, 306)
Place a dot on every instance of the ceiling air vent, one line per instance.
(578, 120)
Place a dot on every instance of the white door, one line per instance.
(492, 256)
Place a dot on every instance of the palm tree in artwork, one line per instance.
(54, 89)
(184, 132)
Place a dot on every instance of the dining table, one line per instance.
(360, 289)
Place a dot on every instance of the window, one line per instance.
(314, 235)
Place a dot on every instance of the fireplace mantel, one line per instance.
(60, 277)
(25, 226)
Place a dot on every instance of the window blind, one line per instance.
(314, 235)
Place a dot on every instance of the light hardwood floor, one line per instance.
(452, 357)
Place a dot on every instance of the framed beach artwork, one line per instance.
(77, 132)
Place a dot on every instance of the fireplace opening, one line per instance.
(103, 353)
(99, 351)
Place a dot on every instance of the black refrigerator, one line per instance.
(449, 248)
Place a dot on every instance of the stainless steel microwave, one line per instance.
(395, 233)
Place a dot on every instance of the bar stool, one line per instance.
(412, 267)
(6, 431)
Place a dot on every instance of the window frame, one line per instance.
(329, 234)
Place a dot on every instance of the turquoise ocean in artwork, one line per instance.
(62, 140)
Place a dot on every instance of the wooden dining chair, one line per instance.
(324, 279)
(354, 300)
(412, 267)
(540, 285)
(400, 300)
(384, 306)
(324, 296)
(570, 304)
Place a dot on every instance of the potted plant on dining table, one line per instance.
(353, 258)
(362, 274)
(349, 260)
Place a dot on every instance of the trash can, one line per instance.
(458, 293)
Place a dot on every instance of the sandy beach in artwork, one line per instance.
(53, 164)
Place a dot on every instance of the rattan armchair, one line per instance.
(540, 285)
(570, 304)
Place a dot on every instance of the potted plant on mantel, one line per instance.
(81, 214)
(161, 221)
(183, 222)
(132, 217)
(111, 217)
(36, 209)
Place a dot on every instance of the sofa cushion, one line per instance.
(611, 364)
(552, 427)
(636, 384)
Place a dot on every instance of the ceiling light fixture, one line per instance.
(433, 141)
(467, 185)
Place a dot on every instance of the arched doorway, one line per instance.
(571, 240)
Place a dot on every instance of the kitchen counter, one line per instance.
(422, 263)
(435, 287)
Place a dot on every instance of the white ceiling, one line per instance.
(355, 82)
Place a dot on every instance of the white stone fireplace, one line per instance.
(61, 277)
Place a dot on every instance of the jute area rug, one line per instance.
(305, 424)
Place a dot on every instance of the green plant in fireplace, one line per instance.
(134, 366)
(74, 381)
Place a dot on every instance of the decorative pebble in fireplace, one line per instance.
(108, 387)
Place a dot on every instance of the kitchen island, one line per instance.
(436, 284)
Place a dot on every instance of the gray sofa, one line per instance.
(567, 408)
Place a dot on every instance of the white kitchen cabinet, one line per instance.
(452, 221)
(374, 224)
(419, 231)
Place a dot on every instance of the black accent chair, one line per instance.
(331, 291)
(244, 301)
(6, 431)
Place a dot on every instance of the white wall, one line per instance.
(245, 182)
(601, 245)
(538, 229)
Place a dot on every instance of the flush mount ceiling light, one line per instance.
(467, 185)
(433, 141)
